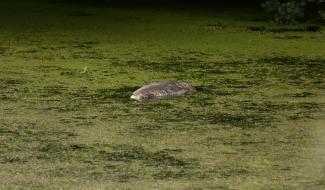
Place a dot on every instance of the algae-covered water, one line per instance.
(66, 120)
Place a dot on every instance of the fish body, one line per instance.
(157, 90)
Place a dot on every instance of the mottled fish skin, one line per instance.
(155, 90)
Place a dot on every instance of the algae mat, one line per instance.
(66, 122)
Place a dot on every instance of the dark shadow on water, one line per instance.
(284, 29)
(100, 96)
(128, 153)
(82, 14)
(288, 37)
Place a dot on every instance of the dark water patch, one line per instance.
(172, 174)
(9, 131)
(50, 68)
(13, 159)
(103, 95)
(243, 143)
(215, 26)
(127, 153)
(256, 28)
(234, 172)
(82, 46)
(85, 170)
(29, 51)
(185, 65)
(274, 107)
(3, 50)
(53, 147)
(129, 18)
(142, 65)
(60, 70)
(35, 41)
(258, 20)
(242, 119)
(88, 54)
(313, 28)
(38, 11)
(195, 53)
(58, 151)
(79, 146)
(284, 29)
(100, 96)
(210, 187)
(268, 107)
(207, 89)
(80, 94)
(288, 37)
(147, 128)
(70, 73)
(55, 90)
(297, 71)
(213, 141)
(90, 42)
(287, 60)
(44, 136)
(173, 150)
(298, 111)
(52, 48)
(79, 120)
(310, 105)
(26, 136)
(65, 101)
(156, 105)
(82, 98)
(300, 115)
(124, 178)
(8, 97)
(210, 141)
(239, 84)
(295, 60)
(9, 82)
(227, 171)
(302, 95)
(65, 106)
(122, 93)
(86, 44)
(82, 14)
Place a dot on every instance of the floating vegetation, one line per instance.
(67, 121)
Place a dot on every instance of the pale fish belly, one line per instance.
(158, 90)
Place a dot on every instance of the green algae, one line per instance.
(255, 122)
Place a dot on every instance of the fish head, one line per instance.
(140, 96)
(134, 97)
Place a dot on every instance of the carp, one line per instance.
(159, 90)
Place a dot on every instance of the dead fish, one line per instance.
(158, 90)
